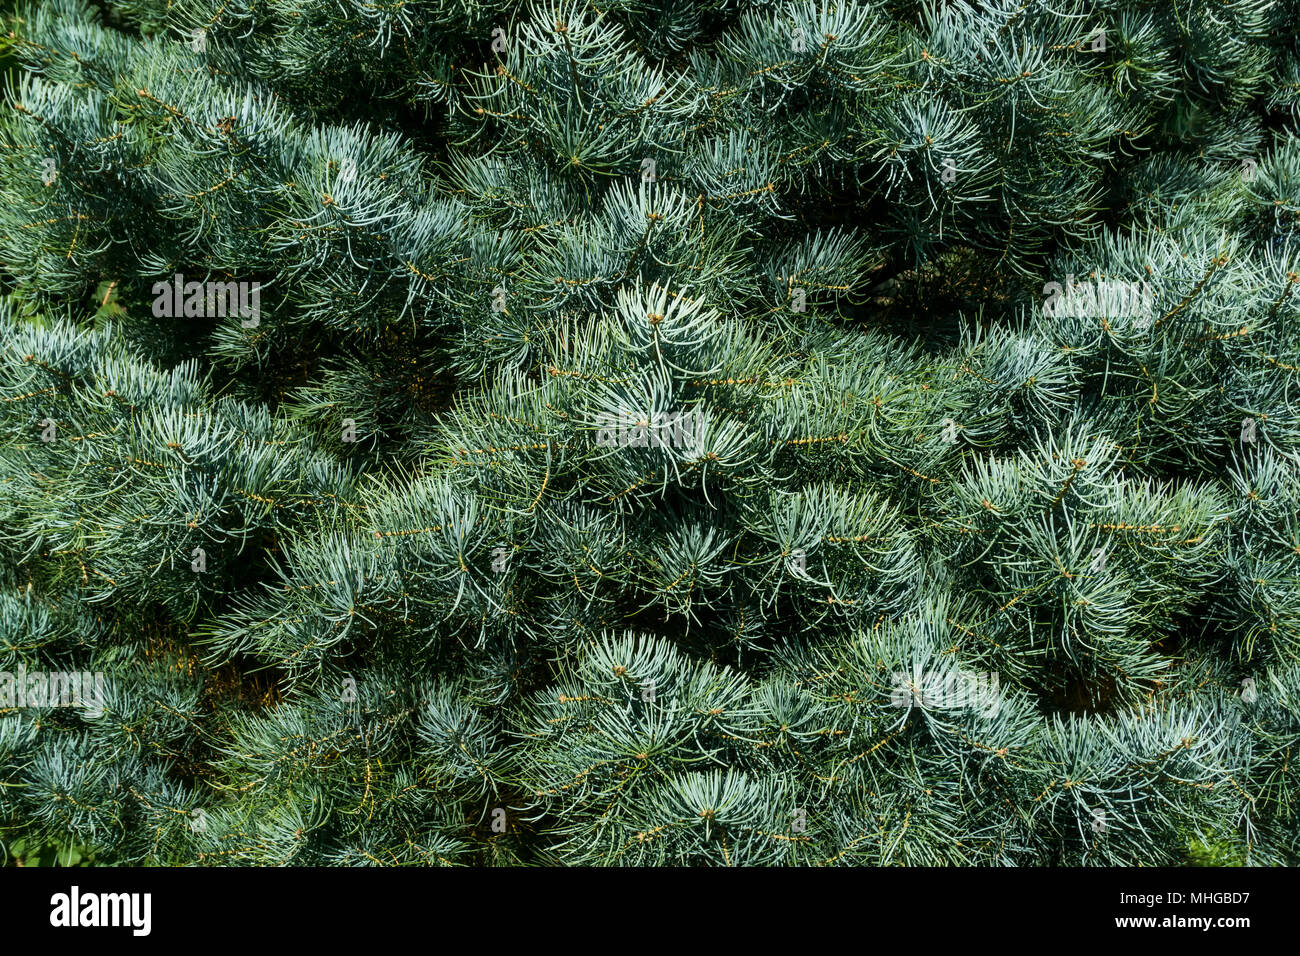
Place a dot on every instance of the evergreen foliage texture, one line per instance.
(667, 432)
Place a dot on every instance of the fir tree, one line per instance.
(721, 433)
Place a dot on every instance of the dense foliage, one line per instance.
(656, 437)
